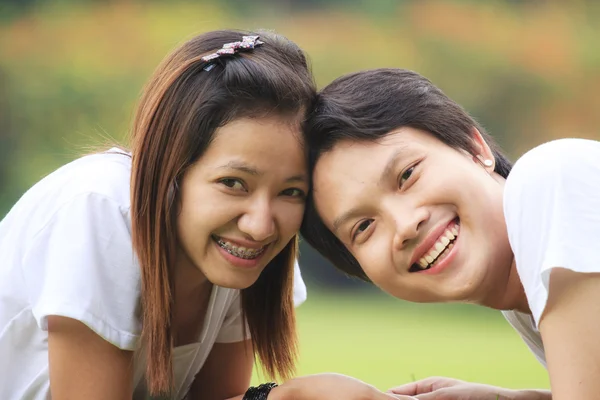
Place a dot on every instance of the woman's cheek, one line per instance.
(290, 218)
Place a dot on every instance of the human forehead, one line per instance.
(269, 147)
(352, 172)
(270, 127)
(348, 175)
(270, 137)
(366, 156)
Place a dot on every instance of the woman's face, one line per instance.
(424, 220)
(243, 200)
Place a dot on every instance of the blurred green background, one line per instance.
(71, 71)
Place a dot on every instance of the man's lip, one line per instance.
(430, 238)
(242, 242)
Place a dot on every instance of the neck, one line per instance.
(513, 295)
(190, 283)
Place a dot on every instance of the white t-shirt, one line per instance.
(552, 211)
(65, 249)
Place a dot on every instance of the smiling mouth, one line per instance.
(439, 250)
(239, 251)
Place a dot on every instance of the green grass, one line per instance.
(387, 342)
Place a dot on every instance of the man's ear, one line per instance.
(483, 153)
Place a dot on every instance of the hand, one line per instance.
(437, 388)
(330, 386)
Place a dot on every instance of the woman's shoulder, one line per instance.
(105, 174)
(82, 182)
(68, 242)
(85, 199)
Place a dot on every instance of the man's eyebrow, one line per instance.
(388, 169)
(344, 218)
(390, 165)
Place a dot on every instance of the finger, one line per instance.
(399, 397)
(407, 389)
(423, 386)
(389, 396)
(429, 396)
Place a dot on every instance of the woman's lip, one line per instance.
(240, 262)
(430, 239)
(242, 242)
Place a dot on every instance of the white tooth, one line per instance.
(445, 240)
(429, 259)
(242, 250)
(449, 234)
(455, 231)
(423, 263)
(451, 245)
(439, 247)
(434, 254)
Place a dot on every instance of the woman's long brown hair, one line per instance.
(181, 107)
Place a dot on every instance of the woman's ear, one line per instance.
(484, 155)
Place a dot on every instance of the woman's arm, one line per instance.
(570, 328)
(226, 373)
(82, 365)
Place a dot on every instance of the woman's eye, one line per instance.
(234, 184)
(406, 175)
(293, 192)
(363, 226)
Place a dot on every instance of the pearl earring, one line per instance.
(488, 163)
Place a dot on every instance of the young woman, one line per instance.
(410, 193)
(164, 270)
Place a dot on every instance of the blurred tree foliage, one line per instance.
(70, 71)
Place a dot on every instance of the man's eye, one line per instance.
(363, 226)
(406, 175)
(234, 184)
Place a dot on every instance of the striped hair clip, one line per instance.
(229, 49)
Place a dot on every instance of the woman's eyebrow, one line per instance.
(241, 166)
(302, 178)
(251, 170)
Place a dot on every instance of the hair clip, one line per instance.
(247, 43)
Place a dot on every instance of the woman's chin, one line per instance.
(233, 281)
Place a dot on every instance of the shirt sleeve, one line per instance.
(552, 210)
(81, 265)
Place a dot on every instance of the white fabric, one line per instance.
(65, 249)
(525, 326)
(552, 211)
